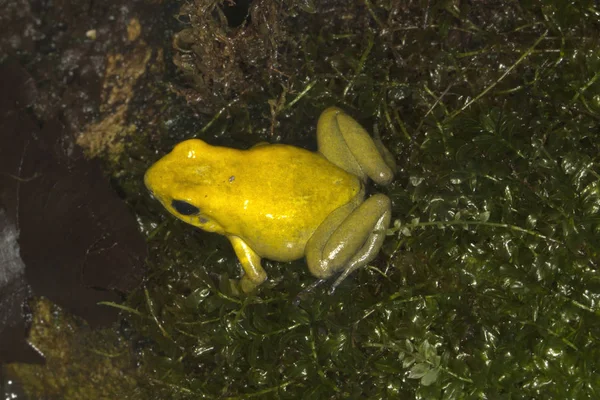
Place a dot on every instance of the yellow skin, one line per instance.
(283, 202)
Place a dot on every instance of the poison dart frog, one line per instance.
(282, 202)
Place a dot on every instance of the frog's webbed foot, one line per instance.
(344, 142)
(254, 274)
(349, 239)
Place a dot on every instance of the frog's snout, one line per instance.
(149, 179)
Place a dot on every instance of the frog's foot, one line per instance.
(348, 240)
(238, 287)
(254, 274)
(248, 285)
(344, 142)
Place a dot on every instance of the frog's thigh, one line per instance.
(317, 265)
(254, 274)
(357, 236)
(345, 143)
(352, 240)
(370, 248)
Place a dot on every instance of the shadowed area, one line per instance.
(78, 241)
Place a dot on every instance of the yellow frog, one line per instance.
(282, 202)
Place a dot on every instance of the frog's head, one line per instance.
(181, 181)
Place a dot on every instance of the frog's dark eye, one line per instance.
(184, 208)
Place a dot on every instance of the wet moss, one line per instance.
(488, 285)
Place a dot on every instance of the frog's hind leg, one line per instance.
(318, 264)
(344, 142)
(375, 212)
(369, 250)
(356, 240)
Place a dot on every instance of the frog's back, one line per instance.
(295, 179)
(277, 195)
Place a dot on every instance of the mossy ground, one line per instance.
(489, 284)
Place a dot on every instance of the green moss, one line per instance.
(488, 285)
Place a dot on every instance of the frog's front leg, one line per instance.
(349, 238)
(254, 274)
